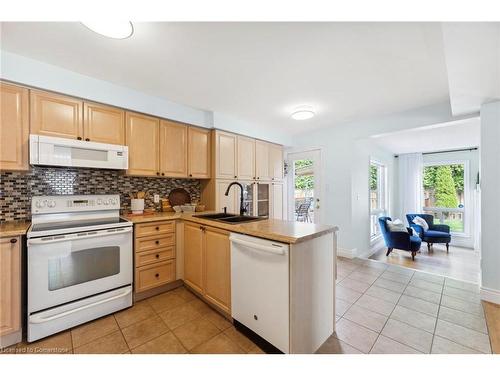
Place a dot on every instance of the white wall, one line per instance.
(490, 202)
(345, 168)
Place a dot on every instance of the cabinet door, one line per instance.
(276, 162)
(198, 153)
(14, 127)
(173, 149)
(193, 256)
(56, 115)
(143, 146)
(10, 285)
(104, 124)
(246, 158)
(229, 202)
(262, 198)
(277, 201)
(262, 160)
(217, 268)
(225, 155)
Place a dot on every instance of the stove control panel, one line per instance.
(74, 203)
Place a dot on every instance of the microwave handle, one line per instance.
(39, 320)
(72, 237)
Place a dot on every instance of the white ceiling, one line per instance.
(473, 64)
(257, 72)
(449, 136)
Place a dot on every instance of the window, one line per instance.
(378, 196)
(444, 194)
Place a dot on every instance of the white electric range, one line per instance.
(80, 261)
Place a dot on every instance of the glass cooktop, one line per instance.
(75, 224)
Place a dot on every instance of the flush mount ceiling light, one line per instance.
(111, 29)
(302, 113)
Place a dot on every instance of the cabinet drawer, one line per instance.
(155, 275)
(159, 227)
(154, 242)
(154, 256)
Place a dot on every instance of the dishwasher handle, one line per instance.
(256, 246)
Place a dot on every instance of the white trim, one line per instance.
(347, 253)
(490, 295)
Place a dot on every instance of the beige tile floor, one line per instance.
(380, 308)
(388, 309)
(173, 322)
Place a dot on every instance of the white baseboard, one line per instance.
(347, 253)
(490, 295)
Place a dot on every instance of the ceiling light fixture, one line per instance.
(302, 113)
(111, 29)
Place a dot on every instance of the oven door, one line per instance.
(68, 267)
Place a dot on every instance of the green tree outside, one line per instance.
(445, 190)
(303, 182)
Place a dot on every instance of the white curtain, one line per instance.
(410, 184)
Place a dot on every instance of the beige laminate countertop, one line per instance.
(276, 230)
(14, 228)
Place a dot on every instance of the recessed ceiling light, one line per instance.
(111, 29)
(302, 113)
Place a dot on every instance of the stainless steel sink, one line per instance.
(229, 218)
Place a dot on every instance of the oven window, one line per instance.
(83, 266)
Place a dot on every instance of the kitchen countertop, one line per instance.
(276, 230)
(14, 228)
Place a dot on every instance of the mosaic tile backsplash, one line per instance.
(17, 188)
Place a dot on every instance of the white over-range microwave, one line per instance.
(62, 152)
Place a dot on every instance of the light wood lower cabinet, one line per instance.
(14, 127)
(154, 249)
(207, 265)
(10, 285)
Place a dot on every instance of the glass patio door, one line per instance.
(304, 187)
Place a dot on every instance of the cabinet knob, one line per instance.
(13, 240)
(157, 242)
(87, 139)
(157, 275)
(235, 176)
(157, 256)
(163, 174)
(157, 228)
(190, 175)
(157, 173)
(79, 138)
(258, 178)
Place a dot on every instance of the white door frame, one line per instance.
(314, 153)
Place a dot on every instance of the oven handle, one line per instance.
(79, 236)
(39, 320)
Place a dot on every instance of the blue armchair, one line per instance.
(399, 240)
(437, 233)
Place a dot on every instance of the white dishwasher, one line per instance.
(260, 288)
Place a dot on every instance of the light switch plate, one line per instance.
(156, 198)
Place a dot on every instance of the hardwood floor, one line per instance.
(459, 263)
(492, 313)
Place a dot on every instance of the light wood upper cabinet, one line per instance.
(10, 285)
(193, 256)
(262, 160)
(173, 149)
(246, 158)
(56, 115)
(198, 153)
(217, 268)
(225, 155)
(104, 124)
(14, 127)
(276, 162)
(142, 133)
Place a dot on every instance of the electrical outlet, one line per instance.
(156, 198)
